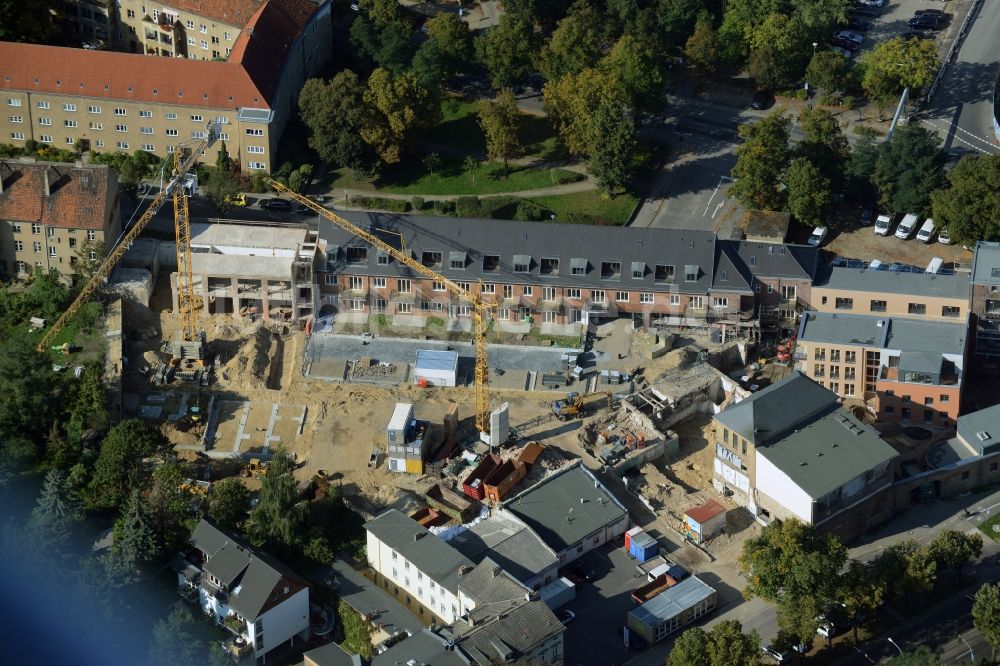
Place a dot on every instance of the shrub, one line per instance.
(381, 203)
(257, 183)
(849, 102)
(563, 176)
(802, 94)
(444, 207)
(468, 207)
(529, 210)
(417, 203)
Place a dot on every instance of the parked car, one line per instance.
(818, 236)
(762, 99)
(275, 204)
(863, 10)
(859, 24)
(926, 231)
(849, 35)
(944, 237)
(846, 44)
(566, 616)
(883, 225)
(907, 227)
(930, 12)
(867, 216)
(827, 628)
(780, 657)
(842, 51)
(927, 22)
(871, 3)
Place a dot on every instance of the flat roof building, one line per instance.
(985, 302)
(668, 611)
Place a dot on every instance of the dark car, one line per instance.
(275, 204)
(762, 99)
(846, 44)
(915, 34)
(578, 573)
(862, 10)
(303, 209)
(927, 21)
(930, 12)
(855, 23)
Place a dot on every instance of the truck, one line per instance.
(661, 583)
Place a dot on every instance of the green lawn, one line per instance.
(451, 178)
(987, 527)
(591, 207)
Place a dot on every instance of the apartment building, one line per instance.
(792, 451)
(106, 101)
(49, 210)
(91, 22)
(197, 29)
(557, 276)
(904, 369)
(985, 301)
(884, 293)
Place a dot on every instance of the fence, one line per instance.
(956, 44)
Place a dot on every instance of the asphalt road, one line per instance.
(962, 107)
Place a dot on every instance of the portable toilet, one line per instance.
(644, 547)
(628, 537)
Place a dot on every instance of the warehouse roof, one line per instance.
(428, 553)
(955, 285)
(986, 263)
(824, 453)
(433, 359)
(674, 601)
(566, 507)
(511, 544)
(770, 413)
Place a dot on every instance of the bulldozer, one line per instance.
(570, 408)
(256, 469)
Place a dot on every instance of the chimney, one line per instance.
(48, 185)
(287, 590)
(496, 570)
(419, 535)
(464, 569)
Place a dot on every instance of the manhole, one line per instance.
(914, 432)
(996, 528)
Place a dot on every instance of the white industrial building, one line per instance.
(435, 367)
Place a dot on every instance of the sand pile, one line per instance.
(249, 366)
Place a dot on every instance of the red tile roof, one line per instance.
(231, 12)
(81, 197)
(704, 513)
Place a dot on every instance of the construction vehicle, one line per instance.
(191, 344)
(256, 469)
(480, 308)
(574, 406)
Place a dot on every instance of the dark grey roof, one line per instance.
(252, 577)
(331, 654)
(835, 328)
(674, 601)
(573, 245)
(518, 631)
(366, 598)
(981, 429)
(986, 263)
(954, 285)
(928, 362)
(774, 260)
(416, 543)
(554, 510)
(778, 409)
(927, 336)
(423, 647)
(824, 453)
(512, 545)
(493, 590)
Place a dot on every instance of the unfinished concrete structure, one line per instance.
(254, 271)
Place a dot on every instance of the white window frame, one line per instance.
(378, 283)
(646, 297)
(68, 106)
(17, 136)
(13, 101)
(45, 122)
(93, 109)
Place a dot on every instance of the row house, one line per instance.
(985, 301)
(904, 369)
(558, 276)
(52, 213)
(107, 101)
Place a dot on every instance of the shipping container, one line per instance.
(473, 484)
(628, 537)
(644, 547)
(498, 483)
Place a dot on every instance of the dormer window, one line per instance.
(522, 263)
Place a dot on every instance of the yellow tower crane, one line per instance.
(480, 308)
(186, 302)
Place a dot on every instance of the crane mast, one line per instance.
(480, 308)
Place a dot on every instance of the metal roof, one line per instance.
(926, 336)
(366, 597)
(843, 329)
(423, 647)
(891, 282)
(566, 507)
(672, 602)
(428, 553)
(512, 545)
(705, 512)
(986, 262)
(777, 409)
(928, 362)
(824, 453)
(981, 429)
(432, 359)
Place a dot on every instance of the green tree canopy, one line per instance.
(499, 121)
(429, 66)
(760, 162)
(922, 656)
(334, 113)
(860, 166)
(899, 63)
(808, 192)
(575, 45)
(573, 101)
(135, 539)
(382, 12)
(396, 108)
(221, 187)
(451, 36)
(789, 559)
(824, 144)
(725, 645)
(986, 612)
(508, 49)
(908, 168)
(635, 65)
(829, 71)
(229, 503)
(119, 469)
(31, 22)
(702, 48)
(952, 549)
(276, 522)
(177, 640)
(970, 206)
(612, 148)
(677, 18)
(690, 649)
(861, 592)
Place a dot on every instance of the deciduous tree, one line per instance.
(382, 12)
(276, 522)
(789, 559)
(508, 49)
(572, 102)
(760, 162)
(118, 469)
(690, 649)
(702, 48)
(334, 113)
(861, 592)
(499, 121)
(969, 207)
(986, 612)
(824, 144)
(222, 187)
(728, 644)
(31, 22)
(229, 503)
(451, 36)
(396, 107)
(575, 45)
(808, 192)
(899, 63)
(829, 71)
(952, 549)
(635, 65)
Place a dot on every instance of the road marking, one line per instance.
(955, 136)
(714, 192)
(721, 204)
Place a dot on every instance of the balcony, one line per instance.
(151, 34)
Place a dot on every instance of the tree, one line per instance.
(357, 630)
(906, 569)
(135, 540)
(861, 592)
(56, 509)
(922, 656)
(613, 148)
(808, 192)
(30, 22)
(89, 257)
(429, 66)
(394, 51)
(222, 186)
(729, 645)
(860, 166)
(451, 36)
(969, 208)
(575, 45)
(824, 144)
(118, 469)
(88, 410)
(789, 559)
(899, 63)
(176, 640)
(777, 56)
(909, 168)
(573, 101)
(951, 549)
(432, 162)
(986, 612)
(702, 48)
(690, 649)
(507, 50)
(635, 65)
(499, 122)
(334, 113)
(167, 505)
(229, 503)
(396, 107)
(760, 161)
(276, 522)
(32, 393)
(129, 176)
(829, 71)
(222, 160)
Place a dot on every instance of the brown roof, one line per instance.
(80, 197)
(231, 12)
(127, 76)
(702, 514)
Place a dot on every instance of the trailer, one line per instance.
(473, 484)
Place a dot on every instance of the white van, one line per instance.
(882, 225)
(926, 231)
(907, 226)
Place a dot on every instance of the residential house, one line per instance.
(263, 602)
(425, 647)
(985, 301)
(571, 512)
(107, 101)
(90, 22)
(50, 210)
(905, 369)
(390, 620)
(792, 451)
(196, 29)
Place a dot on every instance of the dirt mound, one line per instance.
(249, 366)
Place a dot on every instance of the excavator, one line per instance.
(574, 405)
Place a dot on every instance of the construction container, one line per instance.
(643, 547)
(435, 368)
(499, 482)
(473, 484)
(558, 593)
(402, 415)
(653, 589)
(628, 537)
(458, 507)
